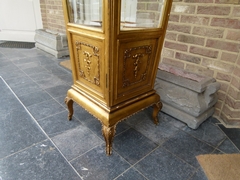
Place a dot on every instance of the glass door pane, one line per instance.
(141, 13)
(85, 12)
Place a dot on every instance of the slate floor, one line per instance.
(38, 142)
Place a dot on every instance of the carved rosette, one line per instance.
(136, 55)
(85, 67)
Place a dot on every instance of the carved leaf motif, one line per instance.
(137, 64)
(88, 62)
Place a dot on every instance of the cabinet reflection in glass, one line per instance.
(85, 12)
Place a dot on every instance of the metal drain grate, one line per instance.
(16, 44)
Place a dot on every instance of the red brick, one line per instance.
(177, 8)
(177, 46)
(218, 65)
(230, 102)
(190, 39)
(189, 58)
(234, 93)
(235, 82)
(223, 77)
(199, 1)
(221, 95)
(174, 18)
(228, 57)
(179, 28)
(209, 32)
(226, 22)
(232, 113)
(199, 70)
(173, 62)
(236, 71)
(224, 86)
(236, 12)
(204, 52)
(213, 10)
(167, 53)
(223, 45)
(171, 36)
(233, 35)
(195, 20)
(227, 1)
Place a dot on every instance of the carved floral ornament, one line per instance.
(85, 66)
(137, 61)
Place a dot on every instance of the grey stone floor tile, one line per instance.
(58, 91)
(19, 80)
(175, 122)
(23, 60)
(58, 123)
(14, 73)
(45, 109)
(95, 164)
(187, 147)
(56, 70)
(61, 100)
(130, 175)
(199, 175)
(42, 76)
(132, 145)
(228, 147)
(233, 134)
(41, 161)
(50, 82)
(18, 131)
(161, 164)
(81, 114)
(67, 79)
(34, 70)
(208, 132)
(25, 88)
(34, 98)
(77, 141)
(157, 133)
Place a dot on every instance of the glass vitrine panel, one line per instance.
(141, 13)
(85, 12)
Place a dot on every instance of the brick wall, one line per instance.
(52, 15)
(203, 36)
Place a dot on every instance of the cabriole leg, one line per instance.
(156, 108)
(69, 103)
(108, 133)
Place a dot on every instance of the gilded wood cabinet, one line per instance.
(115, 48)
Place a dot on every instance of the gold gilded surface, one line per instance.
(113, 66)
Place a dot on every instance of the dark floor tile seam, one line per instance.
(197, 169)
(128, 170)
(199, 139)
(179, 158)
(91, 150)
(50, 115)
(22, 150)
(42, 129)
(228, 138)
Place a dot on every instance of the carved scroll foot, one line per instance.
(69, 103)
(156, 108)
(108, 133)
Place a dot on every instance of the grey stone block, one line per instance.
(187, 99)
(52, 42)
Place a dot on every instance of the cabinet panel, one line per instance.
(135, 63)
(89, 64)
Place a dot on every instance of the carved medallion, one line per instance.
(136, 64)
(88, 62)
